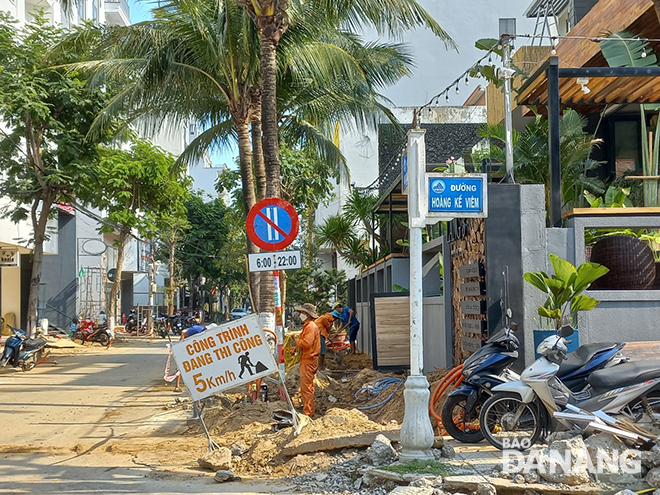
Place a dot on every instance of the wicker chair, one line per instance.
(629, 259)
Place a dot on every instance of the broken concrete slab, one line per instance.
(215, 460)
(384, 475)
(509, 487)
(340, 442)
(463, 482)
(411, 490)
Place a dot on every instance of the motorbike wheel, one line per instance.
(453, 420)
(637, 410)
(104, 338)
(497, 415)
(4, 360)
(79, 338)
(30, 363)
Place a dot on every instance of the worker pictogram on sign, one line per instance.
(272, 224)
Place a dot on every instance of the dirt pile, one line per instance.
(348, 361)
(247, 428)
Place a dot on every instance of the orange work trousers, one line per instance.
(307, 372)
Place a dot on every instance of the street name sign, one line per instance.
(277, 260)
(272, 224)
(404, 173)
(456, 196)
(224, 356)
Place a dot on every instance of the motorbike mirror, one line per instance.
(508, 312)
(513, 326)
(566, 331)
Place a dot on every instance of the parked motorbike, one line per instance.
(489, 367)
(176, 324)
(21, 351)
(89, 332)
(131, 322)
(519, 412)
(162, 325)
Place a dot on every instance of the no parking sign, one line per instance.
(272, 224)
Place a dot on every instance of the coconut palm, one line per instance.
(273, 19)
(197, 62)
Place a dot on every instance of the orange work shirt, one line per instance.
(310, 342)
(325, 323)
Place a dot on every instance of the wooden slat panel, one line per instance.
(642, 350)
(392, 337)
(637, 16)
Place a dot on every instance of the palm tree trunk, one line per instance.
(39, 223)
(268, 59)
(249, 199)
(257, 147)
(112, 303)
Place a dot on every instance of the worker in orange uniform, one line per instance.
(325, 324)
(310, 345)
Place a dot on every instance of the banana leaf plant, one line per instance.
(625, 49)
(565, 289)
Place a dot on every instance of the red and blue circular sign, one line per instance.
(272, 224)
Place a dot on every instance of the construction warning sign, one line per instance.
(224, 356)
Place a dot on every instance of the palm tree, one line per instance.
(271, 18)
(196, 61)
(530, 151)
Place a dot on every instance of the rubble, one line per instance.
(218, 459)
(238, 448)
(412, 490)
(554, 472)
(486, 489)
(381, 451)
(651, 458)
(448, 452)
(653, 477)
(224, 475)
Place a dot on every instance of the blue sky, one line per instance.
(141, 11)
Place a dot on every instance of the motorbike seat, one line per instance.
(31, 344)
(582, 356)
(625, 374)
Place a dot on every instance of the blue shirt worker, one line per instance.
(348, 320)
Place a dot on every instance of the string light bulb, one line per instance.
(552, 44)
(490, 60)
(644, 54)
(467, 81)
(457, 90)
(447, 98)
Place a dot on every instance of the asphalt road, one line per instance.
(57, 423)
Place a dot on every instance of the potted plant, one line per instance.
(565, 293)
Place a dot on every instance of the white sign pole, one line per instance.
(416, 430)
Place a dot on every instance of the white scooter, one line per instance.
(519, 412)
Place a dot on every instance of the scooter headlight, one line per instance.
(547, 345)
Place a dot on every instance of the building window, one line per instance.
(41, 304)
(95, 10)
(627, 149)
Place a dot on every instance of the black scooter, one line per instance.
(21, 351)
